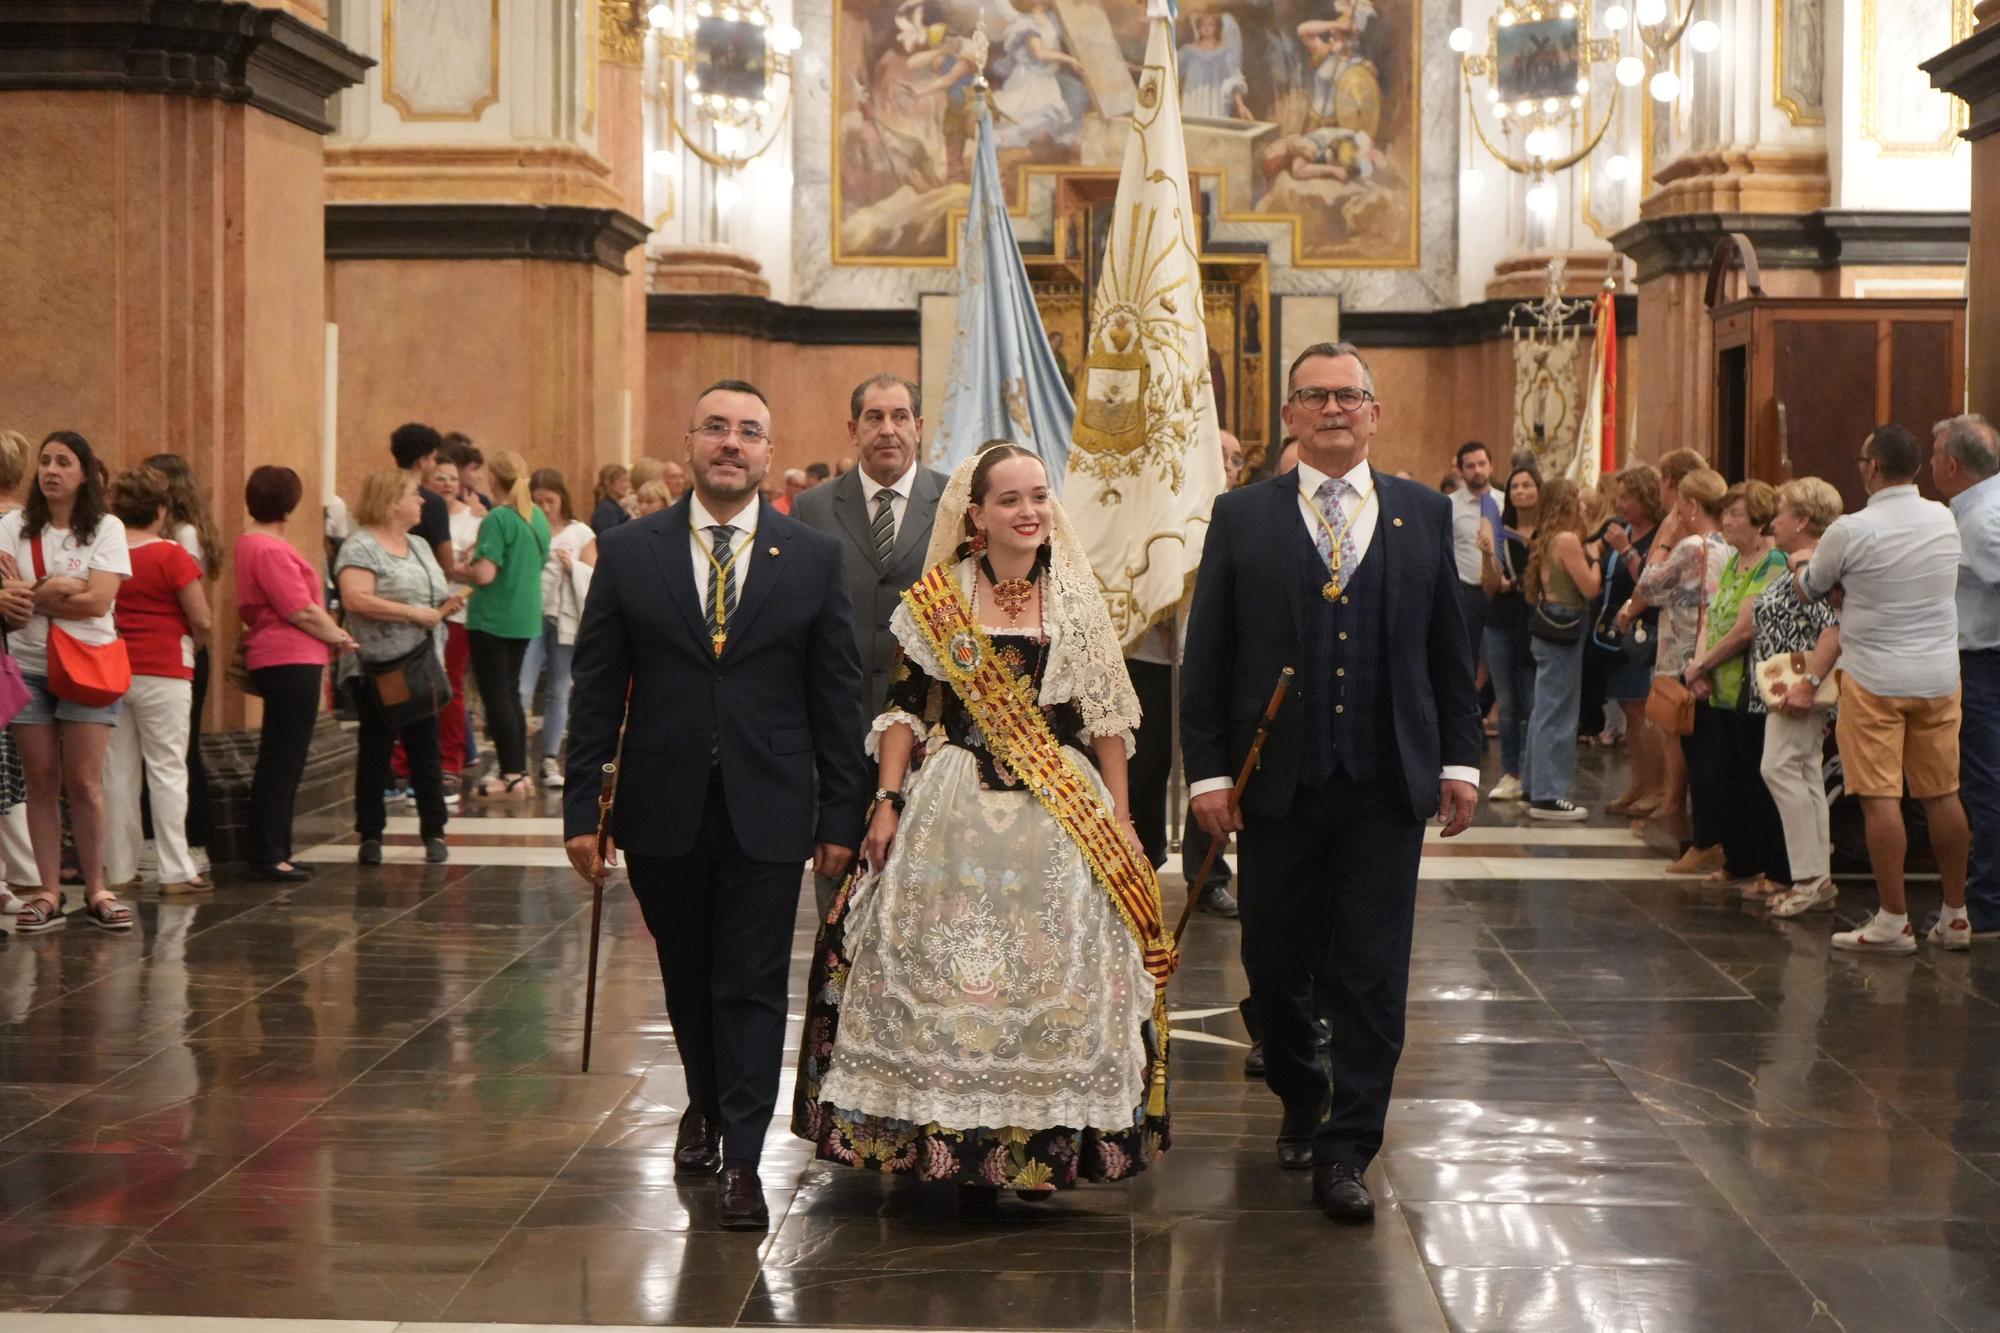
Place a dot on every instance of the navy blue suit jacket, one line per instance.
(1246, 626)
(780, 709)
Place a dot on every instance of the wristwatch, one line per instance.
(1814, 681)
(894, 798)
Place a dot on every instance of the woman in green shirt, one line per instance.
(505, 615)
(1727, 754)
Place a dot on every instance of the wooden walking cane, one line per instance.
(606, 797)
(1235, 796)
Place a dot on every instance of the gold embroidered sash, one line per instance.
(1005, 707)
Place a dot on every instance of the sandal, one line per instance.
(107, 913)
(520, 787)
(39, 912)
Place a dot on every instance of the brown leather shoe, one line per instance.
(741, 1201)
(697, 1148)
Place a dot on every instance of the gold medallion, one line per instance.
(1331, 591)
(721, 638)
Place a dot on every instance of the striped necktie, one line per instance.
(885, 523)
(721, 580)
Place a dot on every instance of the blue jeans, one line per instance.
(1979, 783)
(1551, 759)
(546, 651)
(1513, 674)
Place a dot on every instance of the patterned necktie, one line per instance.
(885, 523)
(721, 581)
(1331, 492)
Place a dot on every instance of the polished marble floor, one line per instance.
(1628, 1102)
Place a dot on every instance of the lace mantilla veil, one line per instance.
(1086, 664)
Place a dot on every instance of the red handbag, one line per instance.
(93, 675)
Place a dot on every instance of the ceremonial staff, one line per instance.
(606, 796)
(1235, 799)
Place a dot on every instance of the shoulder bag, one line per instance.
(1669, 703)
(94, 675)
(1552, 622)
(412, 687)
(14, 695)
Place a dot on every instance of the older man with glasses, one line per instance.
(1965, 462)
(1896, 563)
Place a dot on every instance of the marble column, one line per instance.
(1971, 70)
(162, 255)
(478, 228)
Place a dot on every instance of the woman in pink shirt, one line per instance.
(286, 633)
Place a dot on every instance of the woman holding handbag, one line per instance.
(286, 636)
(75, 668)
(1728, 749)
(1680, 586)
(1793, 657)
(395, 597)
(1561, 579)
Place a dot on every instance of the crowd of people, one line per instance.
(1724, 633)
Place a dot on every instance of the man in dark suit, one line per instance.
(882, 512)
(1346, 575)
(729, 625)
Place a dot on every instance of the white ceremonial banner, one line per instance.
(1145, 462)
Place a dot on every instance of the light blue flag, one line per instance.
(1004, 383)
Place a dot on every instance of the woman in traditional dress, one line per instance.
(986, 1011)
(1212, 82)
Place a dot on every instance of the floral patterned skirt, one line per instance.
(990, 993)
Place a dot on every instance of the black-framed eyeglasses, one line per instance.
(1347, 398)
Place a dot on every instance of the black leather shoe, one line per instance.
(1216, 901)
(697, 1148)
(1295, 1136)
(741, 1197)
(281, 874)
(1338, 1191)
(1253, 1063)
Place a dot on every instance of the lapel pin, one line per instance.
(1397, 521)
(774, 550)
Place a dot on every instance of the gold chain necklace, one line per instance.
(720, 606)
(1333, 585)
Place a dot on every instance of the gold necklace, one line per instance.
(1331, 591)
(1012, 594)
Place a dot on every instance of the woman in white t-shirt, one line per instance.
(82, 560)
(564, 581)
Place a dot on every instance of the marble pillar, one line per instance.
(480, 197)
(1971, 70)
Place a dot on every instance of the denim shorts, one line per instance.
(43, 707)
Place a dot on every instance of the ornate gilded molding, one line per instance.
(599, 236)
(222, 49)
(1945, 143)
(621, 32)
(1802, 106)
(396, 99)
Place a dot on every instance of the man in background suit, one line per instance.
(1348, 576)
(882, 512)
(729, 625)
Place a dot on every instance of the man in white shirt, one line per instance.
(1473, 506)
(1896, 564)
(881, 511)
(1965, 461)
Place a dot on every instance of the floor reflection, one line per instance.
(1628, 1102)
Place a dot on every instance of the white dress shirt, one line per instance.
(898, 492)
(1897, 561)
(702, 542)
(1978, 513)
(1355, 510)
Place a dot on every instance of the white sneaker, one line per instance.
(1557, 809)
(1508, 788)
(1876, 938)
(1803, 898)
(1947, 933)
(552, 775)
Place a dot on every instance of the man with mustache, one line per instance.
(729, 626)
(1347, 576)
(881, 512)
